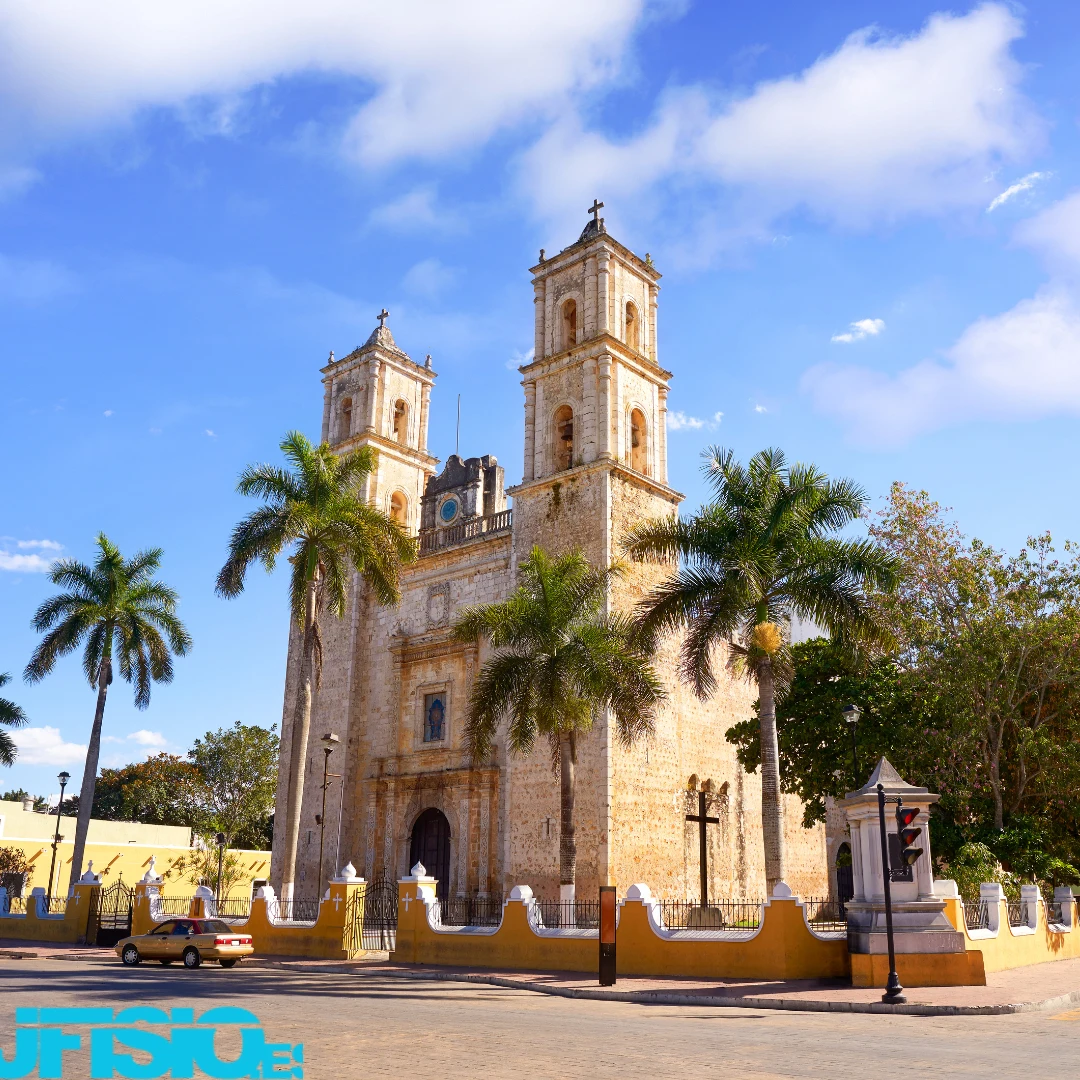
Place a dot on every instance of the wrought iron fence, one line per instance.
(825, 915)
(233, 908)
(565, 914)
(719, 915)
(174, 905)
(1054, 912)
(469, 911)
(1018, 912)
(977, 915)
(55, 905)
(16, 905)
(298, 911)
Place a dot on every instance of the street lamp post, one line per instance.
(220, 838)
(329, 741)
(851, 718)
(64, 777)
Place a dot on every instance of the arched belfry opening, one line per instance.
(401, 422)
(569, 324)
(399, 508)
(639, 450)
(346, 418)
(564, 438)
(632, 337)
(430, 846)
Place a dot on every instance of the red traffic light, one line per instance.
(905, 815)
(908, 833)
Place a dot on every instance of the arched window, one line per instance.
(564, 438)
(399, 508)
(633, 335)
(401, 422)
(569, 324)
(346, 418)
(639, 450)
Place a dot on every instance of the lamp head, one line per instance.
(852, 713)
(220, 838)
(64, 777)
(330, 741)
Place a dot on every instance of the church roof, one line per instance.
(381, 336)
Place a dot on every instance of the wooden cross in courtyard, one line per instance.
(702, 819)
(384, 314)
(595, 209)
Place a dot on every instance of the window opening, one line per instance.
(401, 422)
(639, 459)
(564, 438)
(569, 315)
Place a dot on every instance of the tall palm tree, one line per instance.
(559, 661)
(318, 509)
(113, 607)
(759, 554)
(11, 716)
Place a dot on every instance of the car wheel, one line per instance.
(192, 959)
(232, 962)
(130, 955)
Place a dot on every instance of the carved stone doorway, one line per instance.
(431, 846)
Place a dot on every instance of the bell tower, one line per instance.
(379, 396)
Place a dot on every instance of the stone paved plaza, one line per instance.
(374, 1025)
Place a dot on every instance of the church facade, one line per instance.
(395, 684)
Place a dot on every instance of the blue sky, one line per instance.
(867, 216)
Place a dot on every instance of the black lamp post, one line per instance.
(851, 718)
(893, 990)
(329, 741)
(220, 838)
(64, 777)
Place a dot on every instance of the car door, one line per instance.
(155, 945)
(178, 939)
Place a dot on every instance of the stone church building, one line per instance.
(395, 685)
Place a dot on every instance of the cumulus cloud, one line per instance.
(43, 545)
(680, 421)
(885, 126)
(1025, 183)
(1055, 233)
(1018, 365)
(856, 331)
(148, 738)
(430, 77)
(520, 359)
(46, 746)
(12, 555)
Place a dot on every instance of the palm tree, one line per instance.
(559, 661)
(759, 554)
(115, 606)
(318, 509)
(11, 716)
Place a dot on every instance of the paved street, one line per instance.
(373, 1025)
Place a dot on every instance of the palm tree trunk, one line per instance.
(567, 842)
(298, 755)
(89, 780)
(772, 806)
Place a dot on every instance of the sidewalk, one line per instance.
(1042, 986)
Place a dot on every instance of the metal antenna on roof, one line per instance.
(457, 435)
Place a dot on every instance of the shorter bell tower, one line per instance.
(380, 397)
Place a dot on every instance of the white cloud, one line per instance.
(24, 564)
(42, 545)
(858, 330)
(211, 433)
(430, 77)
(1055, 232)
(414, 211)
(760, 409)
(883, 127)
(679, 421)
(520, 359)
(46, 746)
(107, 412)
(148, 738)
(1025, 183)
(430, 278)
(1019, 365)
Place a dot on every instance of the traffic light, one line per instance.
(908, 833)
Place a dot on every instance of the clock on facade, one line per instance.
(449, 510)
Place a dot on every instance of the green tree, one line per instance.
(559, 661)
(162, 790)
(13, 860)
(115, 606)
(199, 866)
(10, 716)
(237, 768)
(761, 553)
(316, 508)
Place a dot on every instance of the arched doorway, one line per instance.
(431, 846)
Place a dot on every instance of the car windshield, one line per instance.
(215, 926)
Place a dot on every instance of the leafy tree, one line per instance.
(199, 866)
(10, 716)
(318, 509)
(162, 790)
(15, 795)
(761, 553)
(237, 768)
(14, 861)
(116, 605)
(559, 661)
(71, 806)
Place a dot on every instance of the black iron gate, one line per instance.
(110, 914)
(378, 927)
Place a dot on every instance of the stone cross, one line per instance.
(595, 210)
(702, 819)
(384, 314)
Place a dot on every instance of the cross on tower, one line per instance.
(595, 210)
(702, 819)
(384, 314)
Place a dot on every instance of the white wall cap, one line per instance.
(991, 891)
(151, 876)
(347, 876)
(640, 892)
(419, 873)
(946, 887)
(521, 892)
(204, 892)
(782, 891)
(90, 878)
(266, 892)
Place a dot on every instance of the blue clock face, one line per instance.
(448, 510)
